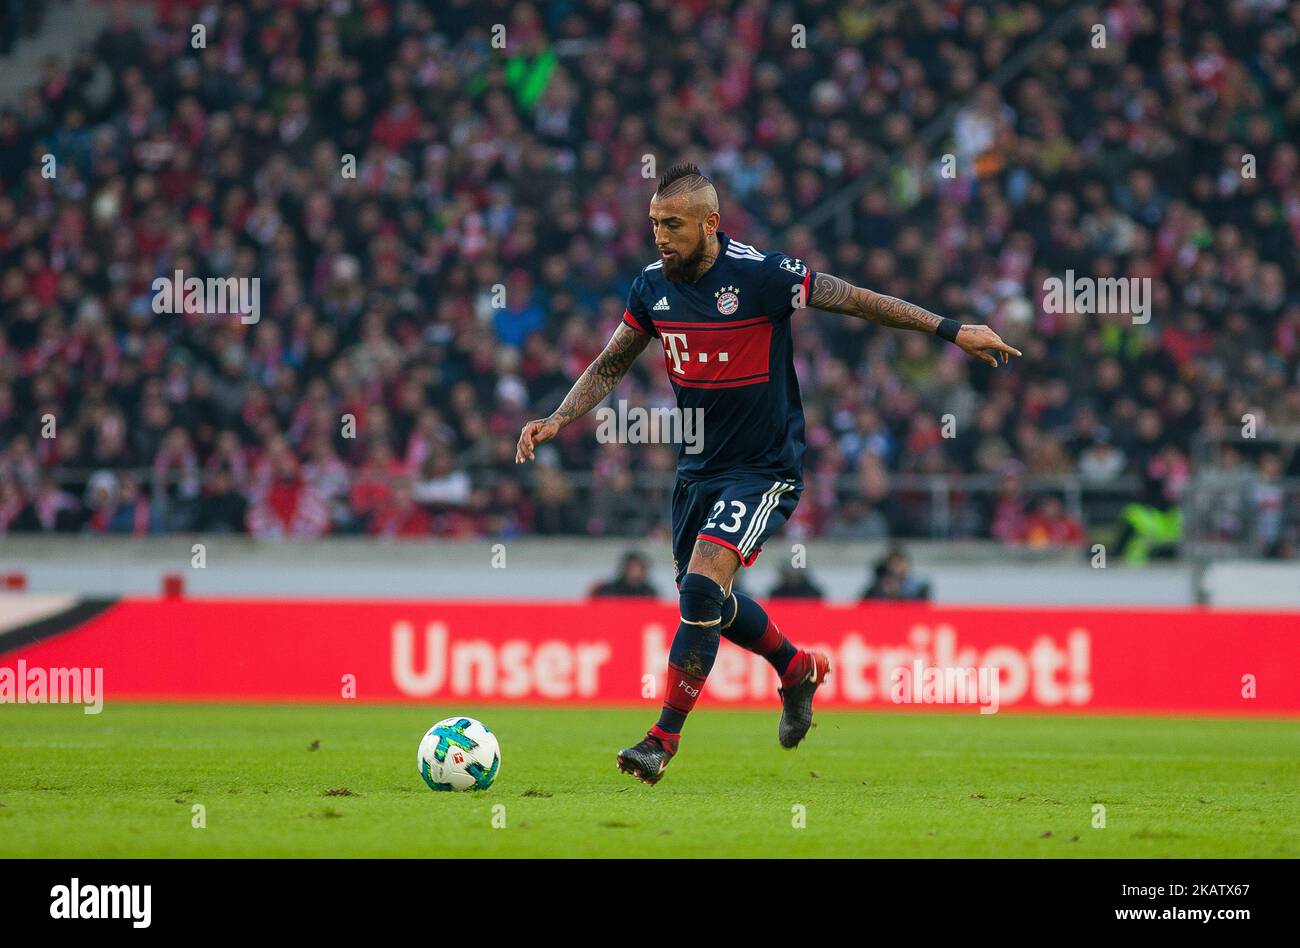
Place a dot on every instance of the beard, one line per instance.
(680, 268)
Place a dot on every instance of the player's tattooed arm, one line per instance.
(592, 386)
(838, 296)
(603, 374)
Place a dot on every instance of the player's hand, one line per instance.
(538, 431)
(983, 343)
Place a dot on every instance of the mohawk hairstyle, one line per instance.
(681, 178)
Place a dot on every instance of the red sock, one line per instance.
(679, 700)
(800, 665)
(769, 641)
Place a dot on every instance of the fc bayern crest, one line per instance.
(728, 300)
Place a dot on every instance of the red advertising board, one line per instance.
(614, 652)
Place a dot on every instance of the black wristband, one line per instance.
(948, 329)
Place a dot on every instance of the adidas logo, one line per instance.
(661, 305)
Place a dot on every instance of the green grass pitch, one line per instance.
(125, 783)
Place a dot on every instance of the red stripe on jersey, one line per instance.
(734, 383)
(718, 356)
(714, 327)
(627, 318)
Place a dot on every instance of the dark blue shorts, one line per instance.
(739, 511)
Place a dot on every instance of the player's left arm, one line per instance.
(838, 296)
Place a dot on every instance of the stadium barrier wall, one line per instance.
(565, 570)
(1192, 661)
(960, 573)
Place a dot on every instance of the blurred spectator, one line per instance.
(632, 579)
(795, 584)
(1101, 462)
(858, 521)
(52, 510)
(1010, 519)
(222, 509)
(284, 505)
(1154, 526)
(1268, 502)
(618, 508)
(400, 516)
(557, 509)
(1050, 525)
(12, 507)
(893, 579)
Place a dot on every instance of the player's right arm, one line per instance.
(834, 295)
(591, 388)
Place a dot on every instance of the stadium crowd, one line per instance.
(415, 314)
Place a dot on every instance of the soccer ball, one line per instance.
(459, 754)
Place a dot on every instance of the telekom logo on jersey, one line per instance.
(717, 355)
(675, 349)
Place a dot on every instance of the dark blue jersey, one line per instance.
(727, 350)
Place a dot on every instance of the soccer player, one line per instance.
(721, 310)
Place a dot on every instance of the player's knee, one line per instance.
(701, 600)
(730, 606)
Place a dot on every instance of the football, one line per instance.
(459, 754)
